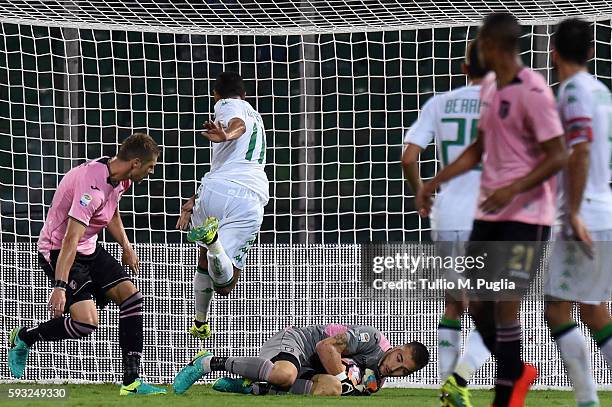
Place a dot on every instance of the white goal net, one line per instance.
(337, 83)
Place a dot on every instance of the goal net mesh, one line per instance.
(337, 83)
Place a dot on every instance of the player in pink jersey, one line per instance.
(85, 202)
(521, 147)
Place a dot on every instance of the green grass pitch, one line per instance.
(108, 395)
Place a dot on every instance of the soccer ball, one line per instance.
(352, 371)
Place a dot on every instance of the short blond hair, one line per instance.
(138, 145)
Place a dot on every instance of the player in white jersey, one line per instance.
(452, 120)
(227, 211)
(581, 261)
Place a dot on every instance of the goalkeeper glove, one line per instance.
(348, 386)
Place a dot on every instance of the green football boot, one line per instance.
(453, 395)
(191, 373)
(204, 233)
(139, 388)
(589, 404)
(18, 353)
(201, 332)
(231, 385)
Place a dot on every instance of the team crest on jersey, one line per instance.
(504, 109)
(85, 200)
(364, 337)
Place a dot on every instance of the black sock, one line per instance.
(131, 336)
(460, 380)
(56, 329)
(509, 363)
(217, 363)
(199, 324)
(28, 335)
(261, 388)
(131, 367)
(490, 342)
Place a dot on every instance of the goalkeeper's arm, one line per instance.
(330, 352)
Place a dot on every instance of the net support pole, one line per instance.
(74, 143)
(309, 143)
(541, 50)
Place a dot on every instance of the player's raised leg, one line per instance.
(228, 210)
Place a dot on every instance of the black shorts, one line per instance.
(513, 252)
(90, 277)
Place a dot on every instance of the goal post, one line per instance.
(337, 84)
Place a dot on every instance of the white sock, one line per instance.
(449, 347)
(474, 356)
(576, 359)
(606, 351)
(206, 364)
(220, 267)
(203, 293)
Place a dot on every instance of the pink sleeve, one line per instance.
(85, 201)
(541, 113)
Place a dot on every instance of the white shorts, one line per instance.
(240, 213)
(573, 276)
(451, 243)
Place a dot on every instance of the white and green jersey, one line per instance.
(241, 160)
(585, 106)
(452, 120)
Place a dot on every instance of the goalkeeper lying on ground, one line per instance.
(286, 359)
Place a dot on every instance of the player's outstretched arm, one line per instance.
(117, 231)
(216, 133)
(470, 157)
(74, 233)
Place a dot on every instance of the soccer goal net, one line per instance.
(337, 83)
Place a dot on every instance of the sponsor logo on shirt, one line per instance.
(364, 337)
(85, 200)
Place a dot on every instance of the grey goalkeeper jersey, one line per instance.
(366, 345)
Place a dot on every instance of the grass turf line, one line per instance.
(102, 395)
